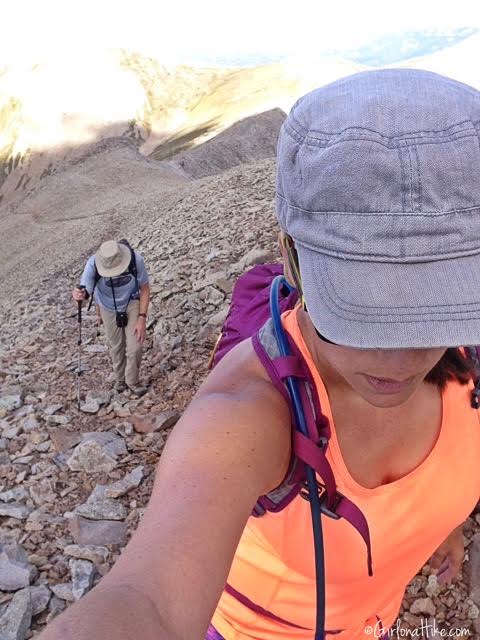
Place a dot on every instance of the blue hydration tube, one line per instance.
(314, 498)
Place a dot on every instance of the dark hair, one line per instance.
(453, 365)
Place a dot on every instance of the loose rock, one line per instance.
(63, 591)
(43, 492)
(432, 589)
(102, 509)
(64, 440)
(15, 622)
(90, 457)
(15, 570)
(29, 424)
(95, 554)
(40, 597)
(10, 402)
(17, 493)
(97, 532)
(52, 408)
(423, 605)
(90, 406)
(14, 510)
(62, 420)
(56, 605)
(473, 568)
(112, 445)
(149, 423)
(127, 483)
(254, 256)
(82, 577)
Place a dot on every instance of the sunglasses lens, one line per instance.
(323, 338)
(317, 331)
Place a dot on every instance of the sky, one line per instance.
(194, 29)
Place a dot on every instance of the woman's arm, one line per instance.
(110, 611)
(231, 445)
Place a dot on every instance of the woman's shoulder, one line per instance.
(251, 405)
(241, 372)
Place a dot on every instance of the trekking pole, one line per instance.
(79, 343)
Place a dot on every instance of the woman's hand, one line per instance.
(446, 562)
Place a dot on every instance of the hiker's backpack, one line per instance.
(132, 269)
(259, 298)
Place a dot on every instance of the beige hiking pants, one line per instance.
(125, 350)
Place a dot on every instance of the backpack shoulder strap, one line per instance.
(132, 265)
(132, 268)
(267, 350)
(279, 368)
(96, 278)
(308, 448)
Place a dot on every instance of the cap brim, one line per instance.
(118, 269)
(392, 305)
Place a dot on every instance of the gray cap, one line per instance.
(378, 183)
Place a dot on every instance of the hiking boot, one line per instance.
(120, 386)
(138, 390)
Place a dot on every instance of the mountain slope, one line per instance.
(253, 138)
(53, 111)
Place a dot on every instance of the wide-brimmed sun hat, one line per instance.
(112, 259)
(378, 184)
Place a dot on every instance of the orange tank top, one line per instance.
(408, 519)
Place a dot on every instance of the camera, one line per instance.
(121, 318)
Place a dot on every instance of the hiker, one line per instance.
(116, 277)
(378, 202)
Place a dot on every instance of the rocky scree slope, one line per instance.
(74, 482)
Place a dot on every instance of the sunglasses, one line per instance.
(322, 338)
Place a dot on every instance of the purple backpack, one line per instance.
(250, 316)
(249, 309)
(258, 299)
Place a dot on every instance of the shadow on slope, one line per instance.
(241, 93)
(54, 183)
(177, 144)
(251, 139)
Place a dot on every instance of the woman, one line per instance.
(378, 189)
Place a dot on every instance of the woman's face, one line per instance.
(382, 377)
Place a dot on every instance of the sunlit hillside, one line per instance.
(242, 92)
(52, 111)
